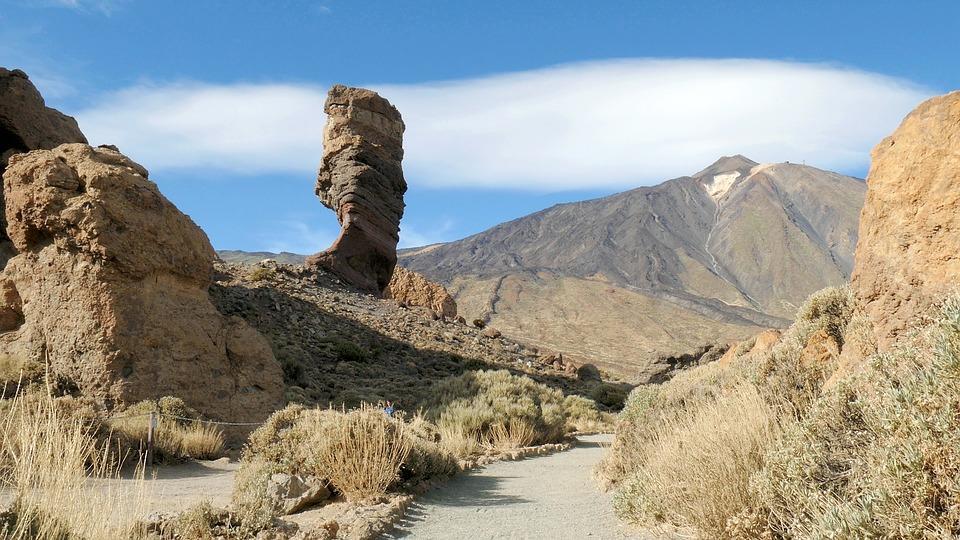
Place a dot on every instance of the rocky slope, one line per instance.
(637, 277)
(910, 229)
(340, 346)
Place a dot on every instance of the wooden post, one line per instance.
(150, 428)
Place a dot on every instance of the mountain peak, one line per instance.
(727, 164)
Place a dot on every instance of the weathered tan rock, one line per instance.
(907, 253)
(26, 123)
(361, 179)
(110, 287)
(821, 352)
(291, 493)
(412, 289)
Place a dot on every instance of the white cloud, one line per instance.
(412, 236)
(599, 124)
(299, 237)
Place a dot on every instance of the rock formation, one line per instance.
(361, 179)
(413, 289)
(907, 257)
(26, 123)
(109, 286)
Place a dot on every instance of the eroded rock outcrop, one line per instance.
(109, 286)
(361, 179)
(908, 255)
(413, 289)
(26, 123)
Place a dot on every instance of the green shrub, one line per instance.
(882, 454)
(609, 395)
(473, 403)
(253, 508)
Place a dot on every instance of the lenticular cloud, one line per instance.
(607, 124)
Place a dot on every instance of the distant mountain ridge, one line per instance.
(249, 257)
(657, 271)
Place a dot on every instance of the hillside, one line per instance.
(654, 272)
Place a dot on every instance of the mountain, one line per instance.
(249, 257)
(634, 278)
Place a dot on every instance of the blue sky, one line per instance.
(510, 106)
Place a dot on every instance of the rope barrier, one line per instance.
(184, 418)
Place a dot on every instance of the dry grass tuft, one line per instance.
(514, 434)
(360, 452)
(695, 470)
(47, 459)
(174, 439)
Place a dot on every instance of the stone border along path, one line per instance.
(552, 497)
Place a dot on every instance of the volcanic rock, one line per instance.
(412, 289)
(907, 257)
(26, 123)
(361, 179)
(109, 286)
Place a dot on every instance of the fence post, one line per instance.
(150, 428)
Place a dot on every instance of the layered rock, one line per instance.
(109, 287)
(413, 289)
(907, 256)
(361, 179)
(26, 123)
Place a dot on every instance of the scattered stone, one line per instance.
(109, 287)
(906, 257)
(479, 323)
(461, 320)
(361, 180)
(291, 493)
(491, 333)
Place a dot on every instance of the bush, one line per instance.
(695, 470)
(174, 438)
(467, 408)
(609, 395)
(882, 454)
(253, 508)
(582, 415)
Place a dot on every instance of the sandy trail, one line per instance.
(552, 497)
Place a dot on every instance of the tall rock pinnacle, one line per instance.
(361, 180)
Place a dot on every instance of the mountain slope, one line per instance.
(658, 271)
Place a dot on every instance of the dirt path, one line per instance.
(552, 497)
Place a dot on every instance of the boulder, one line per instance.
(491, 333)
(412, 289)
(110, 287)
(588, 372)
(906, 258)
(479, 323)
(291, 493)
(26, 123)
(361, 180)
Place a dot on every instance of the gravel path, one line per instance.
(552, 497)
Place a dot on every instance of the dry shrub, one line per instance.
(253, 508)
(583, 416)
(360, 452)
(650, 407)
(880, 456)
(466, 407)
(789, 384)
(511, 435)
(174, 438)
(47, 459)
(695, 469)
